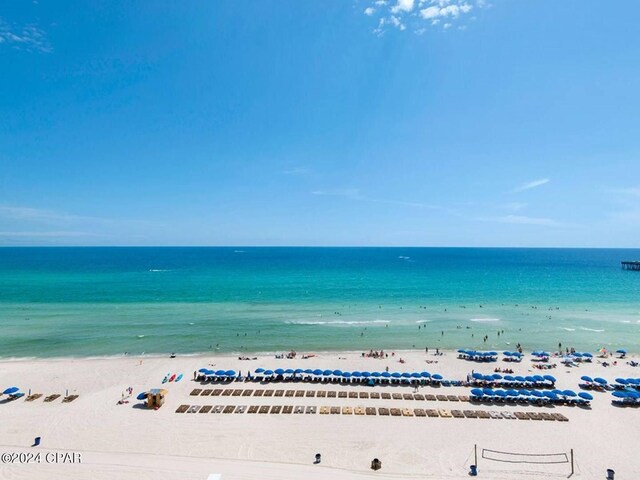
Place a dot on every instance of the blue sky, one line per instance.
(434, 122)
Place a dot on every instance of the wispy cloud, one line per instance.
(27, 37)
(54, 234)
(354, 194)
(41, 215)
(530, 185)
(298, 171)
(419, 14)
(514, 206)
(524, 220)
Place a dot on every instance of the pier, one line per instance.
(629, 265)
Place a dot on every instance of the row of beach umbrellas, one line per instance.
(598, 380)
(510, 378)
(356, 374)
(217, 373)
(531, 394)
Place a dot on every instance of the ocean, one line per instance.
(79, 302)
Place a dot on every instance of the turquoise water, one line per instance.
(107, 301)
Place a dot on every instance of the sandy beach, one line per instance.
(126, 441)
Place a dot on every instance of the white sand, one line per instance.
(124, 442)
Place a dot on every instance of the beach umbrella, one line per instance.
(621, 350)
(396, 375)
(279, 371)
(586, 378)
(425, 374)
(622, 381)
(376, 374)
(488, 378)
(326, 373)
(309, 371)
(11, 391)
(508, 354)
(259, 370)
(599, 380)
(529, 378)
(576, 354)
(509, 378)
(535, 353)
(488, 391)
(385, 374)
(492, 354)
(557, 392)
(524, 392)
(500, 393)
(317, 371)
(585, 396)
(436, 376)
(550, 395)
(462, 350)
(366, 374)
(220, 373)
(406, 375)
(519, 379)
(537, 393)
(142, 396)
(477, 376)
(512, 393)
(356, 374)
(550, 378)
(230, 373)
(569, 393)
(538, 378)
(587, 354)
(415, 375)
(346, 374)
(268, 372)
(289, 371)
(619, 394)
(477, 392)
(497, 376)
(337, 373)
(634, 381)
(203, 370)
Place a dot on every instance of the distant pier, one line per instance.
(628, 265)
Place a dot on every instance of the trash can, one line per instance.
(376, 464)
(610, 474)
(36, 442)
(318, 458)
(473, 470)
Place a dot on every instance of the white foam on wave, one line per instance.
(140, 336)
(158, 270)
(423, 321)
(568, 329)
(336, 322)
(484, 320)
(591, 329)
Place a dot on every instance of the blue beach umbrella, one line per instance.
(308, 371)
(279, 371)
(587, 354)
(622, 381)
(500, 393)
(230, 373)
(537, 393)
(496, 376)
(508, 354)
(406, 375)
(509, 378)
(634, 381)
(524, 392)
(519, 378)
(550, 395)
(538, 378)
(512, 393)
(396, 375)
(346, 374)
(415, 375)
(585, 396)
(385, 375)
(356, 374)
(142, 396)
(203, 370)
(586, 378)
(268, 372)
(462, 350)
(366, 374)
(289, 371)
(529, 378)
(437, 376)
(550, 378)
(376, 374)
(569, 393)
(599, 380)
(488, 391)
(425, 374)
(477, 392)
(621, 350)
(11, 391)
(619, 394)
(557, 392)
(477, 375)
(317, 371)
(298, 370)
(221, 372)
(337, 373)
(259, 370)
(576, 354)
(326, 373)
(493, 354)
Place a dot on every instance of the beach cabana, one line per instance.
(156, 397)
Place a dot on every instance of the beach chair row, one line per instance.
(326, 394)
(50, 398)
(371, 411)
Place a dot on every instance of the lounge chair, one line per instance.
(240, 409)
(560, 417)
(419, 412)
(311, 409)
(216, 392)
(364, 395)
(193, 409)
(534, 415)
(205, 409)
(276, 409)
(335, 410)
(359, 411)
(247, 393)
(453, 398)
(237, 393)
(51, 398)
(374, 395)
(483, 414)
(227, 392)
(353, 394)
(385, 396)
(457, 413)
(206, 392)
(278, 393)
(463, 398)
(396, 396)
(289, 393)
(287, 409)
(310, 393)
(442, 398)
(342, 395)
(69, 399)
(521, 415)
(194, 393)
(347, 411)
(269, 393)
(298, 409)
(407, 412)
(383, 411)
(182, 409)
(253, 409)
(470, 413)
(370, 410)
(432, 413)
(395, 412)
(263, 409)
(32, 397)
(324, 410)
(332, 394)
(430, 397)
(508, 415)
(418, 396)
(445, 413)
(495, 415)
